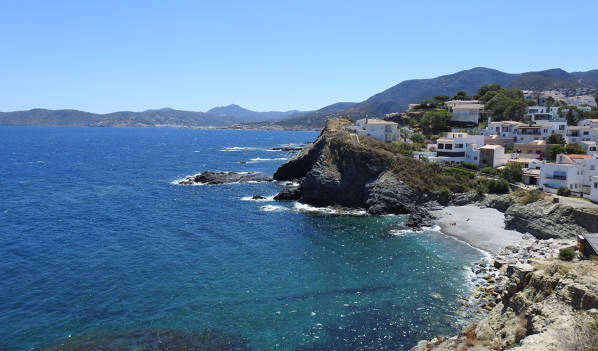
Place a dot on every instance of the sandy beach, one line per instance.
(483, 228)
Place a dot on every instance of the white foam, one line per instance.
(239, 148)
(195, 150)
(305, 208)
(273, 208)
(259, 159)
(250, 198)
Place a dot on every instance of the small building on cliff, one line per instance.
(376, 128)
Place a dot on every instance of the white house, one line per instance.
(590, 146)
(504, 129)
(575, 134)
(593, 123)
(453, 147)
(465, 110)
(376, 128)
(492, 156)
(575, 172)
(581, 100)
(539, 113)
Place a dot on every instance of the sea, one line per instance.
(100, 249)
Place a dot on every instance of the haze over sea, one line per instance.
(95, 239)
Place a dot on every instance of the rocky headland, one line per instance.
(343, 169)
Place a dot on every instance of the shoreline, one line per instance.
(482, 228)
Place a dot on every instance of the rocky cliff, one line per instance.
(343, 169)
(543, 218)
(546, 304)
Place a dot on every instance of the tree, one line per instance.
(417, 138)
(461, 95)
(512, 172)
(571, 118)
(555, 150)
(556, 139)
(441, 99)
(574, 148)
(549, 101)
(433, 122)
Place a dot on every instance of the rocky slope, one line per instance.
(544, 304)
(543, 218)
(341, 169)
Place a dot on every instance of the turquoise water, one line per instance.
(95, 240)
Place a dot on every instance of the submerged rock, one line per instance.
(213, 178)
(153, 339)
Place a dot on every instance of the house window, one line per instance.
(475, 158)
(592, 167)
(561, 127)
(570, 186)
(595, 185)
(448, 147)
(459, 146)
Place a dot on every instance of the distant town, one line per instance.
(544, 140)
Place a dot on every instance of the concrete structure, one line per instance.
(468, 111)
(376, 128)
(492, 156)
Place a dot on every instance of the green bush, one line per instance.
(459, 172)
(512, 172)
(469, 165)
(563, 191)
(566, 254)
(492, 186)
(529, 197)
(490, 170)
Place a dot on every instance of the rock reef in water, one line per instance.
(153, 339)
(214, 178)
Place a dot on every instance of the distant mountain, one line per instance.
(240, 113)
(398, 97)
(149, 118)
(216, 117)
(393, 99)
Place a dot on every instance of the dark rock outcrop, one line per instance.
(289, 193)
(339, 170)
(214, 178)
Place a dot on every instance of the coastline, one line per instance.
(482, 228)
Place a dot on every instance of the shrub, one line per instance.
(469, 165)
(417, 138)
(492, 186)
(512, 172)
(529, 197)
(459, 172)
(566, 254)
(499, 186)
(563, 191)
(574, 148)
(490, 170)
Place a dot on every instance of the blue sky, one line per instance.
(104, 56)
